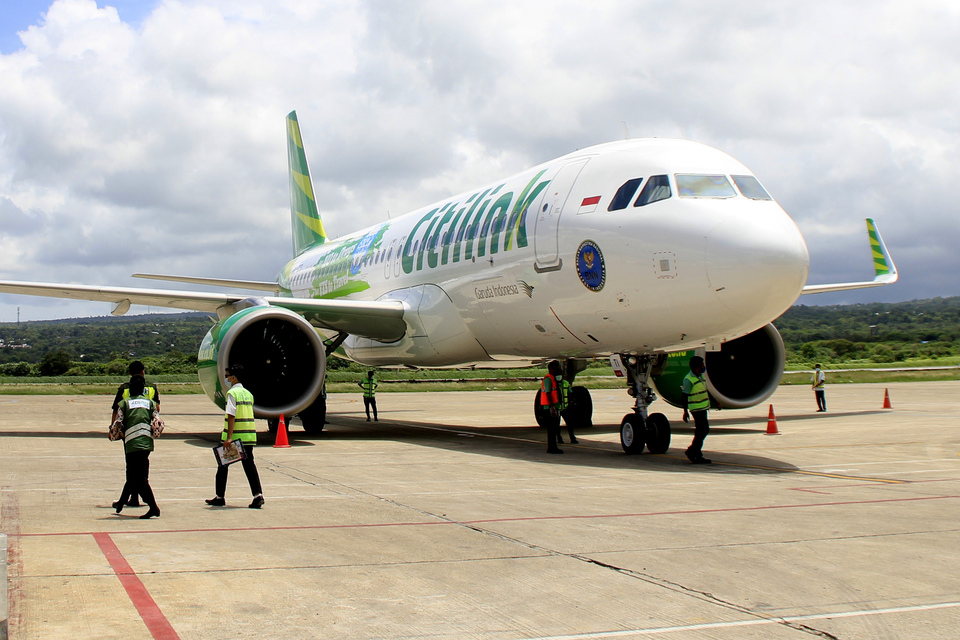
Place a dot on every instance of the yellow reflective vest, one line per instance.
(697, 397)
(244, 427)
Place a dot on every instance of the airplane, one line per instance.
(643, 251)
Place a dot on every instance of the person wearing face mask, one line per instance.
(696, 400)
(238, 422)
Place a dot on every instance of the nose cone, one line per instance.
(758, 266)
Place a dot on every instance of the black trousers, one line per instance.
(821, 399)
(138, 478)
(701, 427)
(249, 468)
(553, 431)
(370, 402)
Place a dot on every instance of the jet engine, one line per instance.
(744, 373)
(283, 358)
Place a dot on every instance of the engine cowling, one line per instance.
(744, 373)
(282, 354)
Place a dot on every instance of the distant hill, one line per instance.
(880, 332)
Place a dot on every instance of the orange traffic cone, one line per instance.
(772, 424)
(281, 441)
(886, 399)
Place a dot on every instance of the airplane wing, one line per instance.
(257, 285)
(381, 321)
(886, 270)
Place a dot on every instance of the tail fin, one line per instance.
(308, 228)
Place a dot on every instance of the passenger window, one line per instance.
(704, 186)
(656, 189)
(624, 194)
(750, 188)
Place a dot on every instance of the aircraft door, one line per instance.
(396, 260)
(550, 208)
(388, 261)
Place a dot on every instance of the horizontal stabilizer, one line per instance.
(886, 270)
(256, 285)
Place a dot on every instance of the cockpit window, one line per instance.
(624, 194)
(750, 188)
(703, 186)
(656, 189)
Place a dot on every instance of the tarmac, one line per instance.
(446, 519)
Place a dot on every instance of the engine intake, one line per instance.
(282, 355)
(744, 373)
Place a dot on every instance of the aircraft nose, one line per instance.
(757, 268)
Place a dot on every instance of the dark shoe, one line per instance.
(118, 506)
(702, 460)
(559, 440)
(368, 419)
(376, 419)
(257, 502)
(216, 502)
(133, 502)
(574, 441)
(153, 513)
(554, 451)
(692, 458)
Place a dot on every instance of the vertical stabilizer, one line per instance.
(307, 226)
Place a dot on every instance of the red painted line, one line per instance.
(565, 326)
(156, 622)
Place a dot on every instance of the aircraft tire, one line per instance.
(657, 433)
(314, 417)
(538, 412)
(632, 434)
(581, 407)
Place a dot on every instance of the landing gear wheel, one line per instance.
(539, 412)
(632, 433)
(657, 433)
(581, 407)
(314, 417)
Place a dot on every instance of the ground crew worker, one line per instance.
(369, 387)
(696, 400)
(565, 387)
(550, 403)
(238, 421)
(135, 368)
(137, 411)
(818, 382)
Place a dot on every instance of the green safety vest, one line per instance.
(698, 399)
(244, 427)
(564, 394)
(137, 415)
(369, 387)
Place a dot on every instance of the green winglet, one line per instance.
(882, 262)
(308, 228)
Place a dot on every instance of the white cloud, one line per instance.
(174, 126)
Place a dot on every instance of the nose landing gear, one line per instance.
(638, 429)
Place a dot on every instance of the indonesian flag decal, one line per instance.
(589, 205)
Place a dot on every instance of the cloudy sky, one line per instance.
(148, 135)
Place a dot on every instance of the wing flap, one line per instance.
(382, 321)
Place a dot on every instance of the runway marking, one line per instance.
(785, 620)
(157, 623)
(448, 522)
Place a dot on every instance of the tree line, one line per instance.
(168, 343)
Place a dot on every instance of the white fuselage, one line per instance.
(512, 272)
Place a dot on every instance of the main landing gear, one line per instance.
(579, 412)
(638, 429)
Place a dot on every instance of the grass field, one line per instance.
(434, 380)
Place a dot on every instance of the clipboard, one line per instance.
(227, 456)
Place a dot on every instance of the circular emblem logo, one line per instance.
(590, 266)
